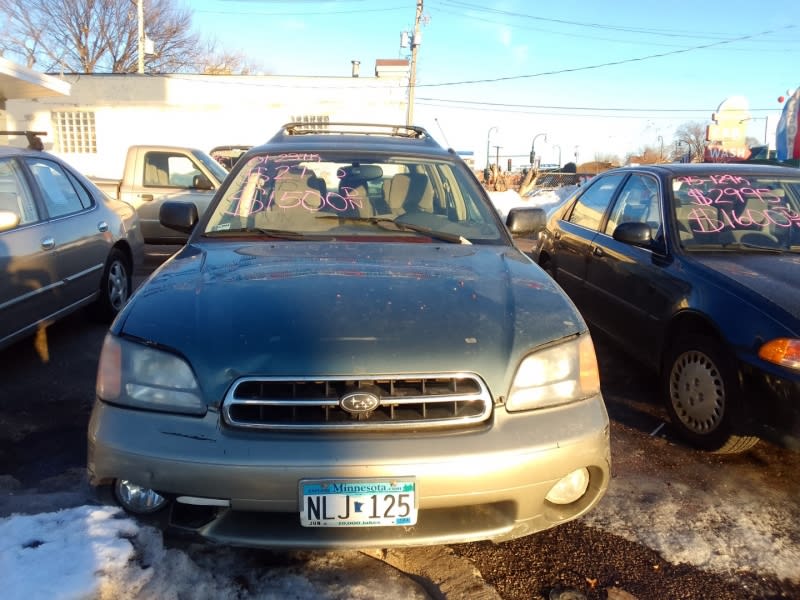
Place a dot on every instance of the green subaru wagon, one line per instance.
(350, 352)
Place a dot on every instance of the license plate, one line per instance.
(357, 502)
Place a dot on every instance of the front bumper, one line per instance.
(487, 483)
(773, 398)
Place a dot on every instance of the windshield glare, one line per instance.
(715, 210)
(317, 194)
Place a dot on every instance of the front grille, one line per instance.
(410, 402)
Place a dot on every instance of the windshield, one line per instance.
(715, 210)
(351, 196)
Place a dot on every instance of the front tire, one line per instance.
(703, 395)
(115, 286)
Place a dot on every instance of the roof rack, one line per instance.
(337, 128)
(26, 133)
(34, 141)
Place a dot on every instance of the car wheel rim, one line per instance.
(117, 285)
(697, 392)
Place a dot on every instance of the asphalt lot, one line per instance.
(676, 523)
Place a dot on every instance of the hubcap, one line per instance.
(697, 392)
(117, 285)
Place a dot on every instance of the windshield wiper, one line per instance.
(283, 234)
(755, 247)
(452, 238)
(737, 246)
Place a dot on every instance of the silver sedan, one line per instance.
(63, 244)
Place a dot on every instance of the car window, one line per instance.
(716, 209)
(217, 169)
(637, 203)
(591, 206)
(59, 195)
(83, 194)
(164, 169)
(337, 194)
(15, 195)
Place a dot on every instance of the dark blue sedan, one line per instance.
(695, 270)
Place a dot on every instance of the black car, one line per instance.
(695, 270)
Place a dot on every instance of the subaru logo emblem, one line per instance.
(359, 403)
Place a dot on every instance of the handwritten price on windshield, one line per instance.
(710, 220)
(731, 195)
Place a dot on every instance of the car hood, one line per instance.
(772, 277)
(293, 309)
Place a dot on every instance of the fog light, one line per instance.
(569, 488)
(138, 499)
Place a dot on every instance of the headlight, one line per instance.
(141, 377)
(782, 351)
(556, 375)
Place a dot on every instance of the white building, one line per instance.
(103, 114)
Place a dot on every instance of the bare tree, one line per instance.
(607, 158)
(648, 155)
(223, 62)
(89, 36)
(690, 137)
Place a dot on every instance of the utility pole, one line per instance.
(412, 79)
(140, 15)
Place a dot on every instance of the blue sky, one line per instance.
(596, 78)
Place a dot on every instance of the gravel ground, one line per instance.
(600, 565)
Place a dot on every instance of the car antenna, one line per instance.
(442, 130)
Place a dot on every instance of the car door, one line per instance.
(632, 286)
(30, 286)
(573, 236)
(79, 230)
(168, 176)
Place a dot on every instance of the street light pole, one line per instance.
(661, 151)
(766, 126)
(559, 154)
(533, 146)
(488, 139)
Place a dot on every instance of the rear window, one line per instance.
(336, 194)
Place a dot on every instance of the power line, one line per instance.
(701, 114)
(606, 64)
(645, 30)
(294, 83)
(617, 40)
(479, 104)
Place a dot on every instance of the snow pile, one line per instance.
(547, 199)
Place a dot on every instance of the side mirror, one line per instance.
(180, 216)
(8, 220)
(633, 233)
(525, 221)
(201, 182)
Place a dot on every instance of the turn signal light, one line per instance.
(782, 351)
